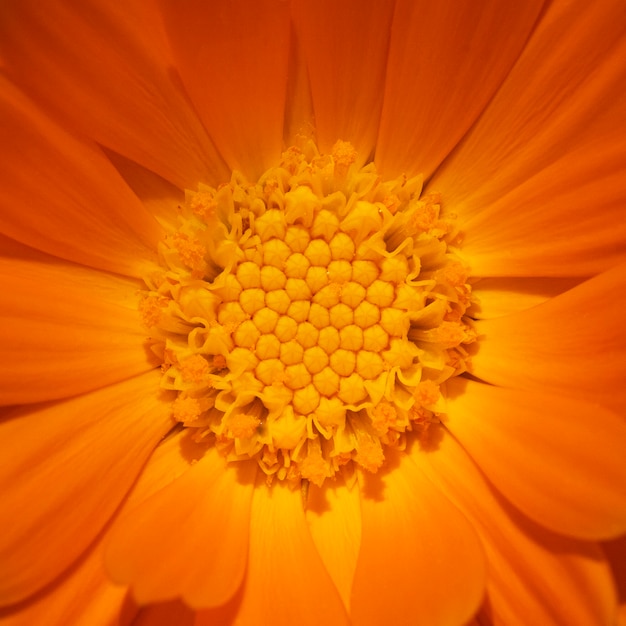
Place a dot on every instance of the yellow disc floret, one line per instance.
(308, 320)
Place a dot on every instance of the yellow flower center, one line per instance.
(307, 320)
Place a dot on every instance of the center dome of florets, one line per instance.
(307, 320)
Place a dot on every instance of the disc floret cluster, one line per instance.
(307, 320)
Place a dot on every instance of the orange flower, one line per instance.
(427, 428)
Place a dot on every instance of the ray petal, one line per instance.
(84, 594)
(574, 343)
(346, 67)
(233, 59)
(286, 581)
(334, 516)
(538, 181)
(105, 68)
(446, 60)
(558, 460)
(420, 560)
(166, 614)
(496, 297)
(61, 194)
(616, 553)
(198, 525)
(534, 576)
(65, 467)
(65, 330)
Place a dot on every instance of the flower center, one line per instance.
(307, 320)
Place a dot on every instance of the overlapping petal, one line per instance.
(616, 554)
(58, 319)
(286, 582)
(233, 59)
(555, 579)
(333, 514)
(495, 297)
(558, 459)
(538, 182)
(158, 196)
(346, 67)
(167, 614)
(417, 552)
(446, 61)
(84, 594)
(572, 344)
(105, 68)
(61, 195)
(564, 221)
(65, 467)
(204, 514)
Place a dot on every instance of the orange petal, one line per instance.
(225, 615)
(286, 581)
(534, 576)
(538, 180)
(65, 468)
(107, 71)
(65, 330)
(333, 514)
(233, 59)
(173, 457)
(420, 559)
(616, 553)
(198, 525)
(495, 297)
(559, 460)
(167, 614)
(299, 118)
(567, 220)
(160, 197)
(573, 344)
(345, 46)
(446, 60)
(61, 195)
(83, 594)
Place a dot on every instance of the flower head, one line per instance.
(312, 312)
